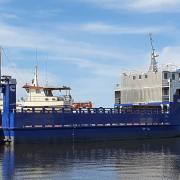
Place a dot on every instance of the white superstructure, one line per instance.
(38, 96)
(156, 85)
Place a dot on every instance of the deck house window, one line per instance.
(48, 92)
(140, 77)
(178, 92)
(38, 91)
(134, 77)
(173, 76)
(166, 91)
(165, 75)
(146, 76)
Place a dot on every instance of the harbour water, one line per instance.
(123, 160)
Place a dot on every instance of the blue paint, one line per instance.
(9, 104)
(92, 124)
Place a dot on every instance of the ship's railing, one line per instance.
(95, 125)
(89, 110)
(93, 117)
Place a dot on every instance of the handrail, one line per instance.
(88, 110)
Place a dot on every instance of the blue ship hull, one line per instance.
(51, 135)
(92, 125)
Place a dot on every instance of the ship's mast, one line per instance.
(153, 66)
(35, 80)
(46, 77)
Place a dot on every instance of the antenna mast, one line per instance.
(46, 77)
(153, 66)
(35, 80)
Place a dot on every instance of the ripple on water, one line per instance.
(138, 160)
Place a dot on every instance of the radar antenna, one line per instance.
(153, 66)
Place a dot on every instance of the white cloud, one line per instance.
(26, 38)
(86, 56)
(170, 55)
(155, 5)
(8, 16)
(101, 28)
(47, 13)
(138, 5)
(97, 68)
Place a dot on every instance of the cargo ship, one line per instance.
(147, 105)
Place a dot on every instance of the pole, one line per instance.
(169, 89)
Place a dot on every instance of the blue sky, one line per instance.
(86, 44)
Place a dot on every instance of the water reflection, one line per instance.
(152, 159)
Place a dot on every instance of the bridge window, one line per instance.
(173, 76)
(140, 77)
(165, 75)
(38, 91)
(48, 92)
(134, 77)
(165, 91)
(146, 76)
(178, 92)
